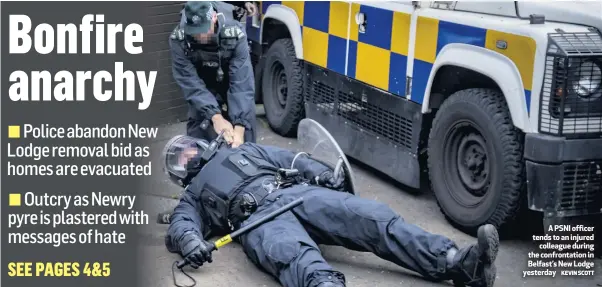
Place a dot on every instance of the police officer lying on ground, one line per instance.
(212, 66)
(233, 187)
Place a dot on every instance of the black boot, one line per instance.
(328, 278)
(474, 265)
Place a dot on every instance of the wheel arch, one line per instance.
(280, 14)
(499, 69)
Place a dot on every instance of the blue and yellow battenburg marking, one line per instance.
(432, 35)
(379, 56)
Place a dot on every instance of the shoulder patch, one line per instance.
(177, 34)
(233, 32)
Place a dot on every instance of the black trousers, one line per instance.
(287, 247)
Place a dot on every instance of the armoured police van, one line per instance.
(502, 100)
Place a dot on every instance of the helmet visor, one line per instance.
(178, 152)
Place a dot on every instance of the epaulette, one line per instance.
(177, 34)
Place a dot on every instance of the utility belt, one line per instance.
(230, 214)
(228, 194)
(246, 203)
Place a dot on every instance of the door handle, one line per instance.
(361, 21)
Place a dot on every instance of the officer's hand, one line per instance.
(196, 251)
(220, 124)
(328, 180)
(251, 8)
(239, 136)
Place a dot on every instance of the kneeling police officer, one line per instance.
(211, 64)
(229, 188)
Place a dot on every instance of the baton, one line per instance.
(228, 238)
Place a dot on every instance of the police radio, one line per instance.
(212, 148)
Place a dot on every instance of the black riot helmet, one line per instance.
(183, 158)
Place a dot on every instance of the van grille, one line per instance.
(581, 186)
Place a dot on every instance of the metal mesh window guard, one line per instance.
(571, 98)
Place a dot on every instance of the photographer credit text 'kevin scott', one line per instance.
(565, 250)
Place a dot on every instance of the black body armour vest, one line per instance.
(212, 63)
(223, 179)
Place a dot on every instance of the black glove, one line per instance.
(327, 179)
(196, 250)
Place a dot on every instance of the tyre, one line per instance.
(282, 88)
(475, 160)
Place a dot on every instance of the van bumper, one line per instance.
(564, 176)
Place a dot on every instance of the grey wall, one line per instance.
(168, 102)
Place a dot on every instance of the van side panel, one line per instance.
(378, 57)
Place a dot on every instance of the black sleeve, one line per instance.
(241, 93)
(185, 219)
(195, 91)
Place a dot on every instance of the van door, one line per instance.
(379, 44)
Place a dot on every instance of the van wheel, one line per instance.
(475, 159)
(282, 88)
